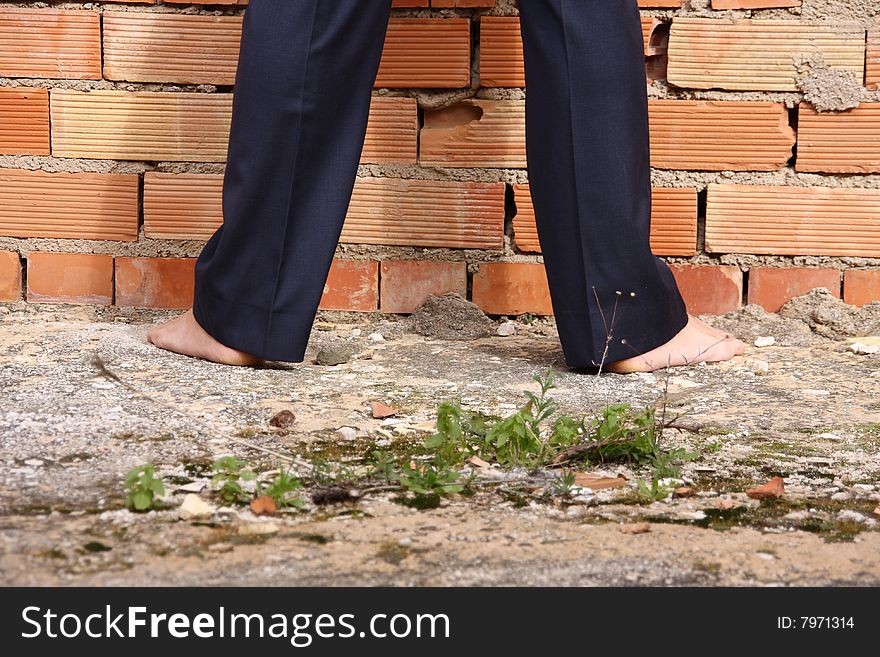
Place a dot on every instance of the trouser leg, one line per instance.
(589, 172)
(301, 102)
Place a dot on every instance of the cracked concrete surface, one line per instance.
(69, 437)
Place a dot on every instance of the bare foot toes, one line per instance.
(697, 342)
(184, 335)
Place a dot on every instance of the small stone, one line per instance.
(842, 496)
(863, 488)
(829, 436)
(505, 329)
(684, 491)
(33, 462)
(264, 505)
(862, 348)
(405, 542)
(257, 529)
(797, 516)
(283, 419)
(380, 410)
(876, 511)
(220, 547)
(636, 528)
(758, 366)
(376, 337)
(356, 333)
(815, 393)
(347, 433)
(335, 354)
(194, 487)
(195, 507)
(773, 489)
(764, 341)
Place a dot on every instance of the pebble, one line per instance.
(220, 547)
(356, 333)
(257, 529)
(347, 433)
(863, 488)
(862, 348)
(34, 462)
(194, 487)
(405, 542)
(283, 419)
(376, 337)
(842, 496)
(506, 328)
(336, 354)
(764, 341)
(758, 366)
(829, 436)
(586, 500)
(195, 507)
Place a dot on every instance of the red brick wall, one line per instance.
(757, 195)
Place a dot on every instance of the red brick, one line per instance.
(10, 276)
(771, 287)
(475, 133)
(407, 283)
(512, 288)
(718, 135)
(24, 121)
(861, 286)
(141, 46)
(352, 285)
(426, 52)
(50, 43)
(709, 289)
(155, 282)
(84, 205)
(78, 278)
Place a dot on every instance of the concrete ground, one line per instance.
(805, 409)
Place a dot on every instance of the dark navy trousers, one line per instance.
(301, 102)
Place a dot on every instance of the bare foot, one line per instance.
(697, 342)
(184, 335)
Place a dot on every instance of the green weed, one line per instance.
(143, 487)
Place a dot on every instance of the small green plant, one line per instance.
(229, 473)
(653, 492)
(563, 484)
(383, 465)
(143, 487)
(430, 479)
(281, 489)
